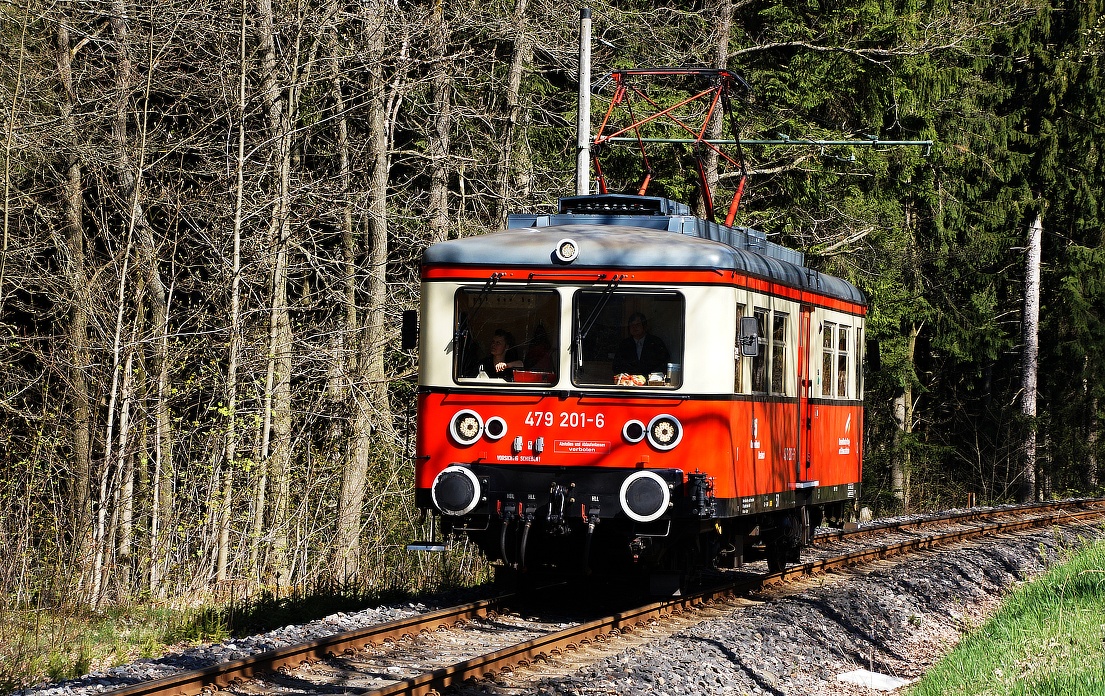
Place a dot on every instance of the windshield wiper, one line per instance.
(460, 338)
(584, 328)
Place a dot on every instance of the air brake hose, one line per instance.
(502, 541)
(525, 538)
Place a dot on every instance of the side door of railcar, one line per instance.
(804, 429)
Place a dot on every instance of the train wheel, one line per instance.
(776, 552)
(798, 533)
(789, 539)
(816, 518)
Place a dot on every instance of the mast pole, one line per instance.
(583, 115)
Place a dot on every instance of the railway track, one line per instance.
(430, 652)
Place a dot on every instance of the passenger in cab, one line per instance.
(503, 359)
(641, 353)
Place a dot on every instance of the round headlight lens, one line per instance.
(664, 432)
(567, 250)
(456, 491)
(466, 427)
(494, 428)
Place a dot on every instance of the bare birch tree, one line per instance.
(276, 449)
(234, 341)
(442, 123)
(1026, 490)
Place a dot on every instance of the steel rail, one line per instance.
(593, 631)
(225, 673)
(984, 529)
(967, 516)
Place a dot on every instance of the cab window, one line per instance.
(506, 336)
(627, 339)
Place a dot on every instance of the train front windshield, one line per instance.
(628, 339)
(614, 339)
(506, 336)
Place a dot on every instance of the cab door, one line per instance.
(805, 384)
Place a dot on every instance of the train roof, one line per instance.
(613, 246)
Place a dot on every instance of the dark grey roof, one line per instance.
(611, 247)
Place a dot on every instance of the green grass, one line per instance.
(1047, 639)
(60, 643)
(37, 645)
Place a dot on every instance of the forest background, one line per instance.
(213, 214)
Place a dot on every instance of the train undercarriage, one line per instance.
(602, 520)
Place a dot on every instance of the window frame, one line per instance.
(859, 362)
(677, 357)
(842, 349)
(760, 374)
(769, 348)
(779, 346)
(843, 359)
(551, 292)
(828, 357)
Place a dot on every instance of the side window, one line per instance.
(778, 353)
(828, 358)
(859, 363)
(738, 360)
(842, 363)
(759, 362)
(627, 339)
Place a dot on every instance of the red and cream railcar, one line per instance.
(737, 430)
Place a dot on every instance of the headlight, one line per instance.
(466, 427)
(494, 428)
(633, 431)
(664, 432)
(567, 250)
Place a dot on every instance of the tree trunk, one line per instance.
(1092, 436)
(902, 462)
(222, 555)
(438, 143)
(130, 180)
(9, 138)
(347, 525)
(371, 413)
(101, 531)
(509, 164)
(723, 17)
(1026, 489)
(124, 548)
(278, 397)
(79, 358)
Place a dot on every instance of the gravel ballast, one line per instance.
(895, 618)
